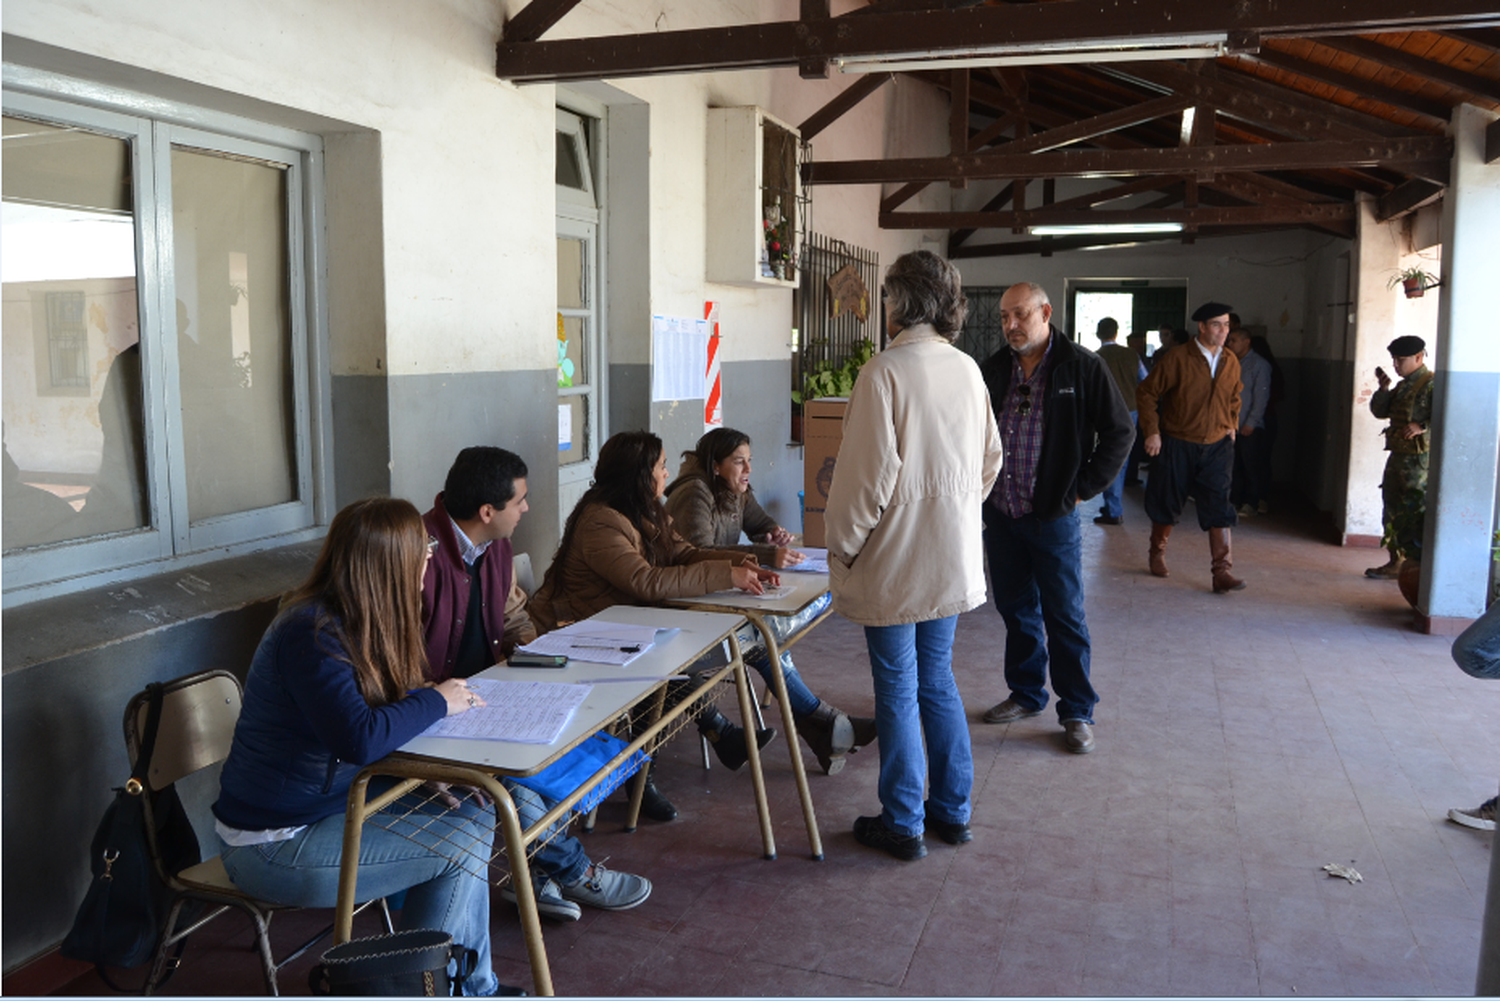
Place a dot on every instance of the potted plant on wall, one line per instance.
(829, 379)
(1414, 281)
(1405, 532)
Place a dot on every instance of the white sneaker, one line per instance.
(609, 890)
(1246, 511)
(1481, 818)
(550, 902)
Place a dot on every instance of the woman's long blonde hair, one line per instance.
(367, 585)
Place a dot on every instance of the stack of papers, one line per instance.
(596, 642)
(769, 594)
(816, 562)
(527, 712)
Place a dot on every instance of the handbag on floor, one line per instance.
(411, 963)
(119, 922)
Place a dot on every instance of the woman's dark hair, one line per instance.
(921, 287)
(367, 586)
(624, 479)
(713, 448)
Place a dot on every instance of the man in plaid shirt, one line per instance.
(1067, 432)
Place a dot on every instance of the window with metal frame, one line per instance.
(157, 359)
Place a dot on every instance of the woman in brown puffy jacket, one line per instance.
(618, 548)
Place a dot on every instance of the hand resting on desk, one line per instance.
(460, 697)
(753, 578)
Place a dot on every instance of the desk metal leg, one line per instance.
(752, 748)
(793, 743)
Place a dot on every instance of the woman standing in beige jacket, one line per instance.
(919, 455)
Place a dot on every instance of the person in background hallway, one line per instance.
(337, 683)
(1262, 347)
(1191, 440)
(1066, 431)
(1136, 341)
(467, 630)
(1126, 369)
(1403, 488)
(710, 503)
(1251, 460)
(920, 453)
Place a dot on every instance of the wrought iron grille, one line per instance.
(821, 337)
(983, 334)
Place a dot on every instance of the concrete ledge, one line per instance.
(1362, 541)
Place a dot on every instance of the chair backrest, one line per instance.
(521, 563)
(198, 715)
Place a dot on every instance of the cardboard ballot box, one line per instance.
(822, 430)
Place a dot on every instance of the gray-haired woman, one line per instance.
(919, 455)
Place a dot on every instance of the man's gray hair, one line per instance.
(1039, 297)
(922, 287)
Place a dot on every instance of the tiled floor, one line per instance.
(1244, 741)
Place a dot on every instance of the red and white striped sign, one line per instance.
(713, 397)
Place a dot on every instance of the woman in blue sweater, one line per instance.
(336, 684)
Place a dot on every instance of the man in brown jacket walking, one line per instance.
(1189, 409)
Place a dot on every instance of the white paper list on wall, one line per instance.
(564, 427)
(679, 358)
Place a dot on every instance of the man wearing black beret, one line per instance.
(1189, 409)
(1403, 488)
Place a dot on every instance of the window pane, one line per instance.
(229, 235)
(569, 169)
(570, 274)
(572, 355)
(572, 430)
(74, 457)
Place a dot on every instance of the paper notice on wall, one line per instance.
(564, 427)
(679, 358)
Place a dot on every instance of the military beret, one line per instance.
(1405, 347)
(1209, 310)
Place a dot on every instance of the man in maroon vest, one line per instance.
(473, 612)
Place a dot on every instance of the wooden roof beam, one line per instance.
(1429, 69)
(843, 103)
(533, 20)
(1425, 156)
(1406, 198)
(1395, 97)
(1237, 215)
(937, 32)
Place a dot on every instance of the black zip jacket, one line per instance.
(1086, 431)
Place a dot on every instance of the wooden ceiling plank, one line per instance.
(533, 20)
(1406, 198)
(1435, 110)
(1424, 156)
(1417, 66)
(958, 236)
(935, 32)
(1487, 38)
(1136, 187)
(958, 120)
(842, 103)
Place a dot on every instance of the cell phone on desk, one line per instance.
(523, 659)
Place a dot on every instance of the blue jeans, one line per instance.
(753, 649)
(450, 895)
(916, 697)
(562, 858)
(1114, 493)
(1477, 649)
(1036, 570)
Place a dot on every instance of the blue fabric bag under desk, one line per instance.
(559, 780)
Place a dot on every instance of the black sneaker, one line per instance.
(954, 834)
(872, 833)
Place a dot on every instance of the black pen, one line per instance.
(594, 646)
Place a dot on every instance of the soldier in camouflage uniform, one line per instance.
(1409, 409)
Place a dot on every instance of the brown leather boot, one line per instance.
(830, 735)
(1218, 547)
(1158, 553)
(864, 731)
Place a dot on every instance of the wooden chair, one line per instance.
(198, 715)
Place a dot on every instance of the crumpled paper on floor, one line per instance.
(1343, 872)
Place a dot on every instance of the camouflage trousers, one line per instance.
(1403, 491)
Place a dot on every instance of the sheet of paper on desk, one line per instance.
(816, 562)
(527, 712)
(770, 593)
(597, 642)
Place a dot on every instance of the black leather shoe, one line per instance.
(872, 833)
(1105, 519)
(655, 806)
(954, 834)
(729, 744)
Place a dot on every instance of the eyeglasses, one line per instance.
(1023, 405)
(432, 545)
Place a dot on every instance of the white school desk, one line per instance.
(806, 588)
(479, 763)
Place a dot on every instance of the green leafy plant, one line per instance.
(830, 379)
(1421, 279)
